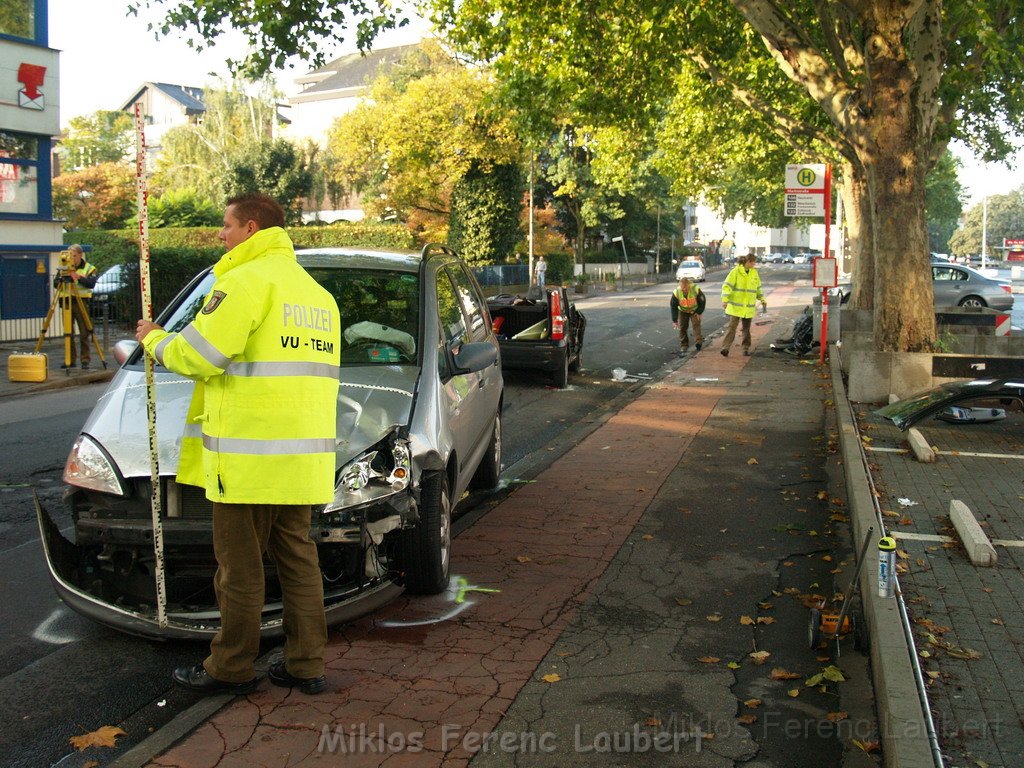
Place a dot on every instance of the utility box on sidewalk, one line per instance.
(833, 318)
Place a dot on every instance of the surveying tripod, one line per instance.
(65, 293)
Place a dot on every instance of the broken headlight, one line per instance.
(382, 471)
(88, 466)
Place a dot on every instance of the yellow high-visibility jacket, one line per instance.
(741, 291)
(265, 354)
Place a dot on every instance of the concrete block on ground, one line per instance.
(993, 345)
(894, 398)
(910, 372)
(975, 541)
(919, 445)
(869, 375)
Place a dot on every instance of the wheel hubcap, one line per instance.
(446, 530)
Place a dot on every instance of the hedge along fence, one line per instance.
(177, 254)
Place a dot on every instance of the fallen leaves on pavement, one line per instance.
(782, 674)
(101, 737)
(551, 678)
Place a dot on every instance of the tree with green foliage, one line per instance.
(485, 213)
(894, 80)
(1005, 221)
(943, 201)
(200, 156)
(99, 197)
(276, 169)
(405, 147)
(105, 136)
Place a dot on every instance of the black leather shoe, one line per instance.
(198, 680)
(85, 366)
(282, 677)
(746, 353)
(724, 351)
(699, 345)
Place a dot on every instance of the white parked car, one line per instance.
(691, 269)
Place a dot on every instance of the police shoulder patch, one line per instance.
(214, 302)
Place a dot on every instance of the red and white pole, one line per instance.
(142, 197)
(828, 238)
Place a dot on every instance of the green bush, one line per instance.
(177, 254)
(560, 268)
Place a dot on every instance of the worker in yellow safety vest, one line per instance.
(740, 293)
(687, 305)
(83, 277)
(260, 438)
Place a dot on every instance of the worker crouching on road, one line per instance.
(687, 305)
(740, 293)
(264, 414)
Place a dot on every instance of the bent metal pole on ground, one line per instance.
(147, 314)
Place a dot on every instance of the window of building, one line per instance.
(19, 173)
(18, 18)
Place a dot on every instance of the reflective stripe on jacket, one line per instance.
(741, 291)
(265, 354)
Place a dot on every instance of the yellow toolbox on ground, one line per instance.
(26, 367)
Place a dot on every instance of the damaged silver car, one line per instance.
(419, 422)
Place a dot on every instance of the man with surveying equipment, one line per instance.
(263, 411)
(74, 282)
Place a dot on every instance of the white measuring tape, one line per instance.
(147, 314)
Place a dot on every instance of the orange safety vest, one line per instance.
(687, 302)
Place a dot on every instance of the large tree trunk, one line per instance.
(894, 153)
(860, 244)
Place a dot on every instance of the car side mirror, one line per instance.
(474, 356)
(124, 349)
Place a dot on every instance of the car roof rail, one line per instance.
(430, 250)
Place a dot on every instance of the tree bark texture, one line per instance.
(860, 248)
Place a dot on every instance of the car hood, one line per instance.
(372, 402)
(906, 413)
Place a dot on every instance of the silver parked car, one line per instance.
(419, 422)
(692, 269)
(957, 285)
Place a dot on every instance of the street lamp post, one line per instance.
(984, 232)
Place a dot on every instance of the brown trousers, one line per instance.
(241, 534)
(685, 320)
(730, 332)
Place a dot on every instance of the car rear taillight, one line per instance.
(557, 320)
(1007, 288)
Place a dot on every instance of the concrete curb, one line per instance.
(919, 445)
(901, 715)
(979, 548)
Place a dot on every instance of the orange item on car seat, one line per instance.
(497, 323)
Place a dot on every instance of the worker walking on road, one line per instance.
(740, 293)
(687, 305)
(263, 411)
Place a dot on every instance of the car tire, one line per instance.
(972, 301)
(577, 364)
(561, 376)
(488, 473)
(426, 548)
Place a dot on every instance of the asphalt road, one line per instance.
(62, 675)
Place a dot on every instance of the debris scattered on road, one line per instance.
(905, 502)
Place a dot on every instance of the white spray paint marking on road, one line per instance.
(45, 632)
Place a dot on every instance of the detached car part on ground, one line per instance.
(419, 423)
(934, 402)
(540, 331)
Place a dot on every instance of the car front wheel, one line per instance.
(489, 471)
(972, 301)
(426, 549)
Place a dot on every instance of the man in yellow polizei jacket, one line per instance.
(740, 293)
(260, 438)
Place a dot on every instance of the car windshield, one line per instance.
(379, 312)
(690, 264)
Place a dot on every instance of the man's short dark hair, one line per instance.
(255, 206)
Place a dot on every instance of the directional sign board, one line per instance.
(805, 190)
